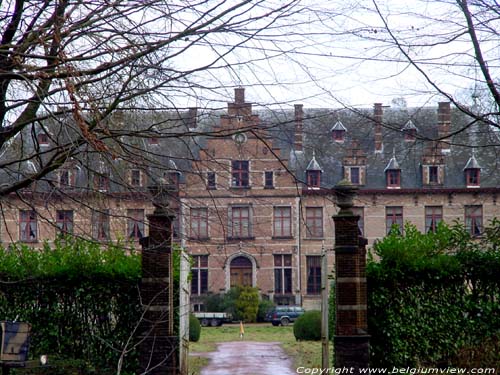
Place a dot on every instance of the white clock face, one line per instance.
(239, 138)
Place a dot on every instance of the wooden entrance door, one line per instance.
(241, 271)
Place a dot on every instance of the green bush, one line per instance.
(265, 305)
(308, 326)
(247, 304)
(194, 328)
(434, 298)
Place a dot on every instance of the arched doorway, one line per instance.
(241, 271)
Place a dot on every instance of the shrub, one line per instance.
(194, 328)
(247, 304)
(265, 305)
(308, 326)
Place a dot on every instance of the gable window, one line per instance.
(474, 219)
(410, 135)
(282, 222)
(211, 183)
(283, 274)
(135, 177)
(240, 222)
(43, 139)
(100, 225)
(433, 174)
(101, 182)
(199, 275)
(268, 180)
(135, 224)
(314, 222)
(313, 274)
(393, 177)
(394, 219)
(359, 211)
(355, 175)
(433, 216)
(314, 179)
(472, 177)
(240, 175)
(199, 223)
(64, 221)
(338, 135)
(28, 226)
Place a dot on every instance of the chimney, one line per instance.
(299, 117)
(192, 118)
(239, 95)
(377, 116)
(444, 124)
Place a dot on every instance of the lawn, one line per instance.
(303, 353)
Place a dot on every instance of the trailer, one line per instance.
(213, 319)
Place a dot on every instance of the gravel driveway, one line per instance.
(248, 358)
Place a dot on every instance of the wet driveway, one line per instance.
(248, 358)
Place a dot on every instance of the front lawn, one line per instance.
(302, 353)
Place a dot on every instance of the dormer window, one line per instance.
(338, 132)
(43, 139)
(393, 173)
(472, 172)
(173, 178)
(409, 131)
(355, 175)
(393, 177)
(433, 174)
(472, 177)
(154, 141)
(135, 177)
(101, 182)
(313, 179)
(313, 173)
(66, 178)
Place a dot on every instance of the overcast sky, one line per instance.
(338, 52)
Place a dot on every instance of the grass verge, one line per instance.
(303, 353)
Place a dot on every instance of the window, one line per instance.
(433, 175)
(361, 222)
(199, 275)
(135, 177)
(268, 179)
(282, 222)
(314, 178)
(100, 225)
(240, 222)
(314, 222)
(393, 178)
(355, 175)
(472, 176)
(211, 183)
(474, 219)
(433, 216)
(176, 226)
(313, 274)
(43, 139)
(394, 216)
(154, 141)
(199, 223)
(410, 135)
(173, 178)
(66, 178)
(338, 135)
(64, 221)
(28, 226)
(101, 182)
(240, 173)
(135, 224)
(283, 274)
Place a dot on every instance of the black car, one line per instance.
(284, 315)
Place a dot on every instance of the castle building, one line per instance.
(254, 204)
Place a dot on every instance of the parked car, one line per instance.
(284, 315)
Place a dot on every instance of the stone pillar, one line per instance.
(351, 339)
(158, 346)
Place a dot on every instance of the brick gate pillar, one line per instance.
(158, 347)
(351, 341)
